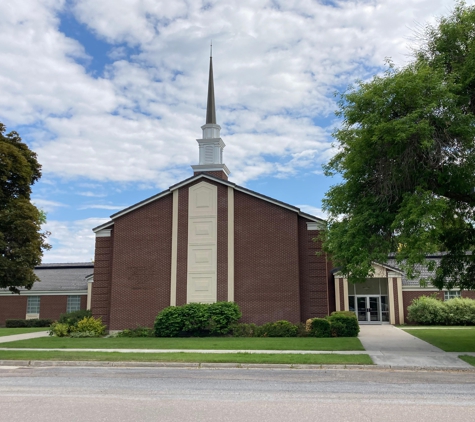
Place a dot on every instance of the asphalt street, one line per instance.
(172, 394)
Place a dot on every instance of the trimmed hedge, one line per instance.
(278, 329)
(197, 319)
(338, 324)
(27, 323)
(429, 310)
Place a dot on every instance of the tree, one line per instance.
(21, 241)
(406, 154)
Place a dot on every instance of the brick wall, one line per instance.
(12, 307)
(396, 301)
(51, 306)
(141, 270)
(219, 174)
(314, 300)
(101, 287)
(266, 260)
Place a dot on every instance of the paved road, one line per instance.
(168, 394)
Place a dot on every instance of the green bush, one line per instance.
(427, 310)
(26, 323)
(460, 311)
(320, 327)
(59, 329)
(221, 316)
(197, 319)
(278, 329)
(72, 318)
(244, 330)
(136, 332)
(91, 325)
(344, 324)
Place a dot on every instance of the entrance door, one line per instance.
(368, 309)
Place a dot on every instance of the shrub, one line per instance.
(308, 325)
(136, 332)
(344, 324)
(221, 316)
(459, 311)
(72, 318)
(59, 329)
(426, 311)
(196, 319)
(91, 325)
(15, 323)
(82, 334)
(244, 330)
(169, 322)
(278, 329)
(302, 330)
(320, 327)
(23, 323)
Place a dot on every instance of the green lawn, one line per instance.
(448, 339)
(12, 331)
(217, 343)
(468, 359)
(323, 359)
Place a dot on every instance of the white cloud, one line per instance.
(103, 207)
(309, 209)
(276, 66)
(72, 241)
(47, 205)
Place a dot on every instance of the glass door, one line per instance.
(368, 309)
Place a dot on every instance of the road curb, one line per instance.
(190, 365)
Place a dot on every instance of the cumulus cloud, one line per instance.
(72, 241)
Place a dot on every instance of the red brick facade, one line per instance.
(51, 306)
(277, 273)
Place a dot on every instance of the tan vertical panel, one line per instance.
(392, 305)
(89, 296)
(174, 248)
(230, 244)
(346, 300)
(337, 294)
(399, 299)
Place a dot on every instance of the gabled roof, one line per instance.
(213, 178)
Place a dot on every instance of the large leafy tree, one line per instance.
(406, 154)
(21, 241)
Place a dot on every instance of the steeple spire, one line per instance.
(211, 109)
(211, 145)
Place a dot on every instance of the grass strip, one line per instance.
(14, 331)
(210, 343)
(323, 359)
(468, 359)
(449, 340)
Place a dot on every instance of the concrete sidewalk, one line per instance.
(16, 337)
(390, 346)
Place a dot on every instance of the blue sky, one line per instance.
(112, 94)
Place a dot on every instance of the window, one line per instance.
(33, 305)
(451, 294)
(74, 303)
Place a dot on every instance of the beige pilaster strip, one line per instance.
(337, 294)
(392, 305)
(230, 244)
(174, 248)
(399, 298)
(346, 300)
(89, 296)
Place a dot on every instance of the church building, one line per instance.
(207, 239)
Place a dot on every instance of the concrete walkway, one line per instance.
(390, 346)
(387, 345)
(16, 337)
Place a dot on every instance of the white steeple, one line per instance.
(211, 145)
